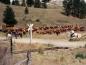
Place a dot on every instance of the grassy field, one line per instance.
(50, 16)
(56, 57)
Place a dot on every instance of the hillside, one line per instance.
(50, 16)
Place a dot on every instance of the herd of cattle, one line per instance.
(57, 29)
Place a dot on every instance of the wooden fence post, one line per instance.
(28, 62)
(11, 45)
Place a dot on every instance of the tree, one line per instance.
(67, 4)
(5, 1)
(23, 3)
(16, 2)
(82, 10)
(26, 10)
(76, 8)
(30, 2)
(37, 4)
(13, 2)
(44, 3)
(9, 17)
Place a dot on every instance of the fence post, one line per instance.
(28, 62)
(11, 45)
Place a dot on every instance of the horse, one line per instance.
(74, 36)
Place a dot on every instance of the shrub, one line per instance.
(40, 51)
(80, 55)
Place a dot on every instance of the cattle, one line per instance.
(56, 29)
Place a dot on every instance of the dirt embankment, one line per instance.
(5, 56)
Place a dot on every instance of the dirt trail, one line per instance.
(60, 43)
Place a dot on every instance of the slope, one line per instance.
(39, 16)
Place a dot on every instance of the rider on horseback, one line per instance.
(71, 34)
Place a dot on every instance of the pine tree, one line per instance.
(76, 8)
(30, 2)
(67, 4)
(26, 11)
(44, 3)
(82, 10)
(13, 2)
(9, 17)
(5, 1)
(23, 3)
(16, 2)
(37, 4)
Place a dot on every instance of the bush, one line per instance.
(40, 51)
(80, 55)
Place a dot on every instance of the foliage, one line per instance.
(76, 8)
(23, 3)
(5, 1)
(44, 5)
(37, 4)
(9, 17)
(16, 2)
(80, 55)
(40, 51)
(30, 2)
(13, 2)
(26, 10)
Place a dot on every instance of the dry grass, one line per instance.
(5, 56)
(52, 36)
(59, 37)
(50, 16)
(22, 47)
(56, 57)
(59, 57)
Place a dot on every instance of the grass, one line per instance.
(55, 57)
(52, 37)
(22, 47)
(50, 16)
(60, 57)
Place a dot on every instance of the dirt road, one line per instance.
(60, 43)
